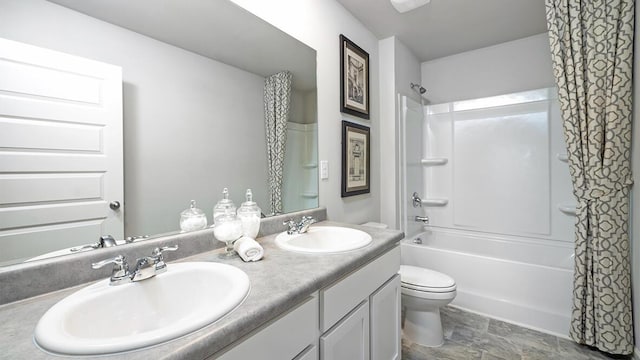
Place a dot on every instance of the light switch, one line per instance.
(324, 170)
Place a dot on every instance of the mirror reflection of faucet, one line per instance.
(107, 241)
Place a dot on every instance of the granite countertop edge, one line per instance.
(280, 282)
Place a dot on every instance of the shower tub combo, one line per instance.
(494, 191)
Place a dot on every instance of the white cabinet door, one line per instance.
(385, 321)
(310, 353)
(349, 339)
(60, 150)
(284, 338)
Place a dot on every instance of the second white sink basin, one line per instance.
(324, 239)
(103, 319)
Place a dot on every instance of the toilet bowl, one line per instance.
(424, 292)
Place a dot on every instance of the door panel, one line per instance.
(61, 159)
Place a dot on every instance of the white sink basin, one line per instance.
(102, 319)
(324, 239)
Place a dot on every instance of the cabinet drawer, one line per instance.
(339, 299)
(276, 340)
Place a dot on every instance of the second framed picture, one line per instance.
(356, 159)
(354, 79)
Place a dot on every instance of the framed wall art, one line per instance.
(354, 79)
(356, 159)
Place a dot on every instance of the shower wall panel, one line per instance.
(504, 172)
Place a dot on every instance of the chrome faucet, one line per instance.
(424, 219)
(146, 267)
(299, 227)
(415, 199)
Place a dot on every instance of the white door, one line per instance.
(385, 321)
(349, 339)
(60, 150)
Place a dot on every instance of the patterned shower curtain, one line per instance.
(277, 97)
(592, 50)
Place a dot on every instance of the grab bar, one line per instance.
(434, 161)
(417, 202)
(568, 209)
(435, 202)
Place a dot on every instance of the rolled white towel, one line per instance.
(248, 249)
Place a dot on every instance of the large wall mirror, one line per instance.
(193, 110)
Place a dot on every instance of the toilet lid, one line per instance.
(422, 279)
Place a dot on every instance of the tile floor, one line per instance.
(470, 336)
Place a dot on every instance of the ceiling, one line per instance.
(446, 27)
(217, 29)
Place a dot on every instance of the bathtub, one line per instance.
(523, 281)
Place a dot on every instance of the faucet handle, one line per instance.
(293, 227)
(120, 272)
(118, 261)
(159, 263)
(309, 219)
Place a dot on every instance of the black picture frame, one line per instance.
(356, 159)
(354, 79)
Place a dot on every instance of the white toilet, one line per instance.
(424, 292)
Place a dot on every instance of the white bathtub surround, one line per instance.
(300, 187)
(596, 99)
(497, 228)
(502, 173)
(523, 281)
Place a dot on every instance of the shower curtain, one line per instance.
(592, 51)
(277, 97)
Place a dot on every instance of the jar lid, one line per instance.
(225, 202)
(227, 216)
(192, 210)
(249, 206)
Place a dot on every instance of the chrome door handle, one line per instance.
(114, 205)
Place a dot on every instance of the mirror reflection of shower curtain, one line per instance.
(277, 99)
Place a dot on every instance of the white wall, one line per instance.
(318, 23)
(167, 93)
(399, 67)
(513, 66)
(388, 146)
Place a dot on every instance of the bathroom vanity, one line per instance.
(357, 317)
(300, 306)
